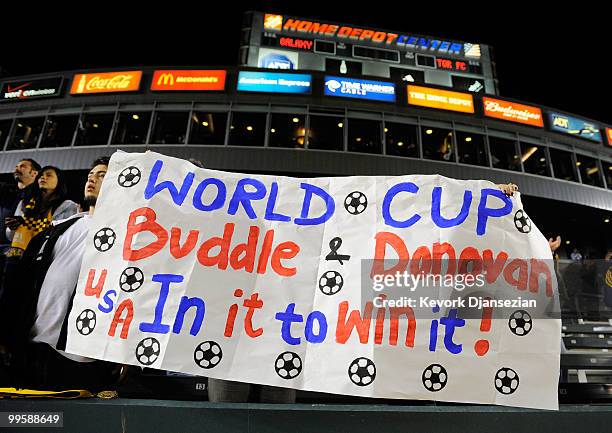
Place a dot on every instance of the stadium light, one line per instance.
(529, 152)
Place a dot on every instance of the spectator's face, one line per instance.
(24, 172)
(48, 180)
(94, 182)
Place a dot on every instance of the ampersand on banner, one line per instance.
(334, 246)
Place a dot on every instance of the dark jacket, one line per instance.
(20, 298)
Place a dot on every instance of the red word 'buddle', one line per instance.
(242, 256)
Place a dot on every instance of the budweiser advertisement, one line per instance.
(106, 82)
(194, 80)
(513, 112)
(440, 99)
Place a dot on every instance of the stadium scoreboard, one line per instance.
(285, 42)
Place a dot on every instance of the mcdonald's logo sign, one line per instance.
(165, 79)
(182, 80)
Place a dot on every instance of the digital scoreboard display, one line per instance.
(305, 43)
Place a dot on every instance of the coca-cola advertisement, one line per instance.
(106, 82)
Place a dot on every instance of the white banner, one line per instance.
(271, 280)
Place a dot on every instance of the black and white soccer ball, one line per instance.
(520, 323)
(131, 279)
(104, 239)
(330, 283)
(288, 365)
(506, 380)
(208, 354)
(148, 351)
(86, 322)
(522, 221)
(355, 203)
(362, 372)
(434, 377)
(129, 177)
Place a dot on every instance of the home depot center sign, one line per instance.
(278, 23)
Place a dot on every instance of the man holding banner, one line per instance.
(410, 287)
(35, 311)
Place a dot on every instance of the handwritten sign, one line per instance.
(409, 287)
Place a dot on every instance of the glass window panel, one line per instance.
(503, 154)
(26, 133)
(5, 129)
(401, 139)
(607, 167)
(471, 148)
(287, 130)
(170, 127)
(208, 128)
(589, 170)
(326, 132)
(437, 143)
(94, 129)
(364, 136)
(534, 159)
(247, 129)
(563, 165)
(59, 131)
(132, 128)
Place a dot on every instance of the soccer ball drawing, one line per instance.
(434, 377)
(355, 203)
(362, 372)
(86, 322)
(148, 351)
(330, 283)
(288, 365)
(104, 239)
(129, 177)
(131, 279)
(522, 221)
(506, 381)
(208, 354)
(520, 323)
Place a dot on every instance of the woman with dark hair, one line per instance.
(48, 202)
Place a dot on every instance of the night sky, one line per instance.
(557, 57)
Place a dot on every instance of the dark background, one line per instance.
(557, 56)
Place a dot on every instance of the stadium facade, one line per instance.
(313, 98)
